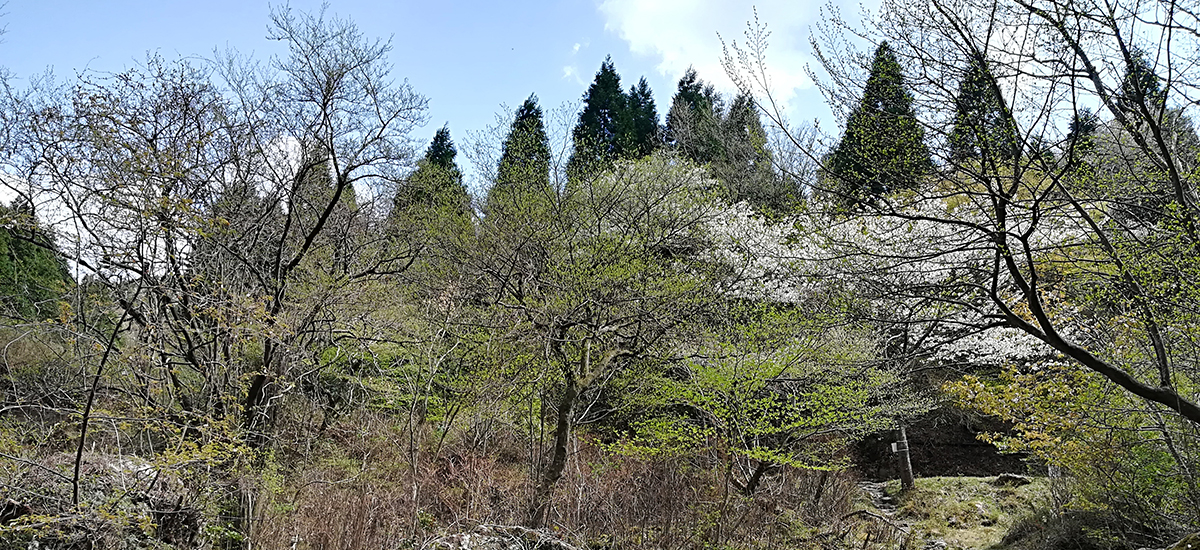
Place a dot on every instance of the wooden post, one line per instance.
(906, 473)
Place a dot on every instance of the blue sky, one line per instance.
(467, 57)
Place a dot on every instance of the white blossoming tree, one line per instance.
(1029, 255)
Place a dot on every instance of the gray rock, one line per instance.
(499, 537)
(1011, 480)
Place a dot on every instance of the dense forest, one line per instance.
(240, 306)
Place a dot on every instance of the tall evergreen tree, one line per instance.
(441, 150)
(597, 134)
(745, 164)
(639, 131)
(692, 118)
(981, 129)
(694, 92)
(730, 141)
(437, 180)
(525, 156)
(883, 148)
(1140, 86)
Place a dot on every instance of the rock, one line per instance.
(934, 544)
(131, 491)
(1190, 542)
(499, 537)
(1011, 480)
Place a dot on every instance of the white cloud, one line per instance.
(571, 72)
(575, 49)
(685, 32)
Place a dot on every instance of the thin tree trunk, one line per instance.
(87, 409)
(558, 461)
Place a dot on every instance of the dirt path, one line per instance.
(886, 506)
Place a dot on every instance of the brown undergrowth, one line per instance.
(357, 488)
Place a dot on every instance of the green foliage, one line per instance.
(441, 150)
(638, 123)
(597, 135)
(730, 139)
(1122, 456)
(745, 166)
(593, 282)
(1140, 88)
(33, 275)
(775, 388)
(436, 184)
(613, 124)
(982, 128)
(883, 148)
(525, 155)
(693, 100)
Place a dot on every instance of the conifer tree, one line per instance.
(730, 141)
(981, 129)
(441, 150)
(744, 163)
(525, 157)
(597, 133)
(692, 118)
(693, 92)
(639, 123)
(883, 148)
(1140, 86)
(437, 181)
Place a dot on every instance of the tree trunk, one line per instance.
(558, 462)
(755, 478)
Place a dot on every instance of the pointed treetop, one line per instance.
(441, 150)
(639, 124)
(981, 123)
(525, 155)
(529, 111)
(603, 103)
(597, 135)
(885, 90)
(694, 92)
(883, 148)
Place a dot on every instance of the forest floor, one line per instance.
(951, 513)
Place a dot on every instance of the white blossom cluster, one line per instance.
(787, 260)
(930, 262)
(997, 346)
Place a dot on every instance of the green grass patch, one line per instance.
(966, 512)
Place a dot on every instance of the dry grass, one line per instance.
(358, 490)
